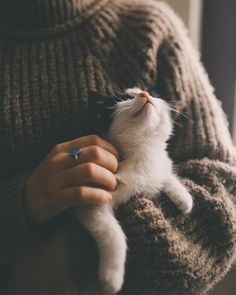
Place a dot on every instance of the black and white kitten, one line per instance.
(140, 129)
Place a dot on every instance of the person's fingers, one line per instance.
(88, 173)
(81, 195)
(92, 153)
(86, 141)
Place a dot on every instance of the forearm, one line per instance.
(13, 221)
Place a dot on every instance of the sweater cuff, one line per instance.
(14, 225)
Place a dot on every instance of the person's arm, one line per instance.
(30, 202)
(13, 220)
(170, 253)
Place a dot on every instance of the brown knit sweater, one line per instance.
(53, 54)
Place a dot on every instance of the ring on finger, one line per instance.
(74, 153)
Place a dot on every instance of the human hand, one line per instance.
(59, 183)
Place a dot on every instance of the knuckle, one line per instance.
(54, 160)
(57, 148)
(80, 192)
(95, 139)
(104, 197)
(90, 169)
(96, 153)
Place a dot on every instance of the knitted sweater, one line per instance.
(53, 54)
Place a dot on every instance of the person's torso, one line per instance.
(45, 81)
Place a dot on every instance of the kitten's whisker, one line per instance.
(115, 97)
(127, 107)
(112, 115)
(178, 124)
(178, 112)
(111, 107)
(119, 96)
(118, 112)
(118, 90)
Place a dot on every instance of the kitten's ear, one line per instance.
(133, 91)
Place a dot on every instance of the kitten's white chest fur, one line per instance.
(140, 130)
(142, 175)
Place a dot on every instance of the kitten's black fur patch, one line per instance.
(101, 108)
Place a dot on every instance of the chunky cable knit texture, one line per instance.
(53, 54)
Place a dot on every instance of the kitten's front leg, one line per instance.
(178, 194)
(110, 238)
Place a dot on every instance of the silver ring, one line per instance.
(74, 153)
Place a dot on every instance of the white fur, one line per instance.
(140, 131)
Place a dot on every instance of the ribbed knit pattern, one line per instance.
(50, 62)
(41, 14)
(12, 211)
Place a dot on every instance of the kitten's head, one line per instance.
(143, 118)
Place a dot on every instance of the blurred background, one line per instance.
(212, 29)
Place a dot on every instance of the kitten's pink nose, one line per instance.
(144, 94)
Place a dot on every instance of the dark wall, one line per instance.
(219, 49)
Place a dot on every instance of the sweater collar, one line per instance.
(29, 15)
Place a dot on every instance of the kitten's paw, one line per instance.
(186, 204)
(111, 280)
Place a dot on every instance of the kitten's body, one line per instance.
(145, 169)
(140, 129)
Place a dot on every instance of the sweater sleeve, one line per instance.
(14, 226)
(169, 252)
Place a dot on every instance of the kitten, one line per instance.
(140, 129)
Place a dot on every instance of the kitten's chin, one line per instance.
(142, 109)
(149, 109)
(149, 116)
